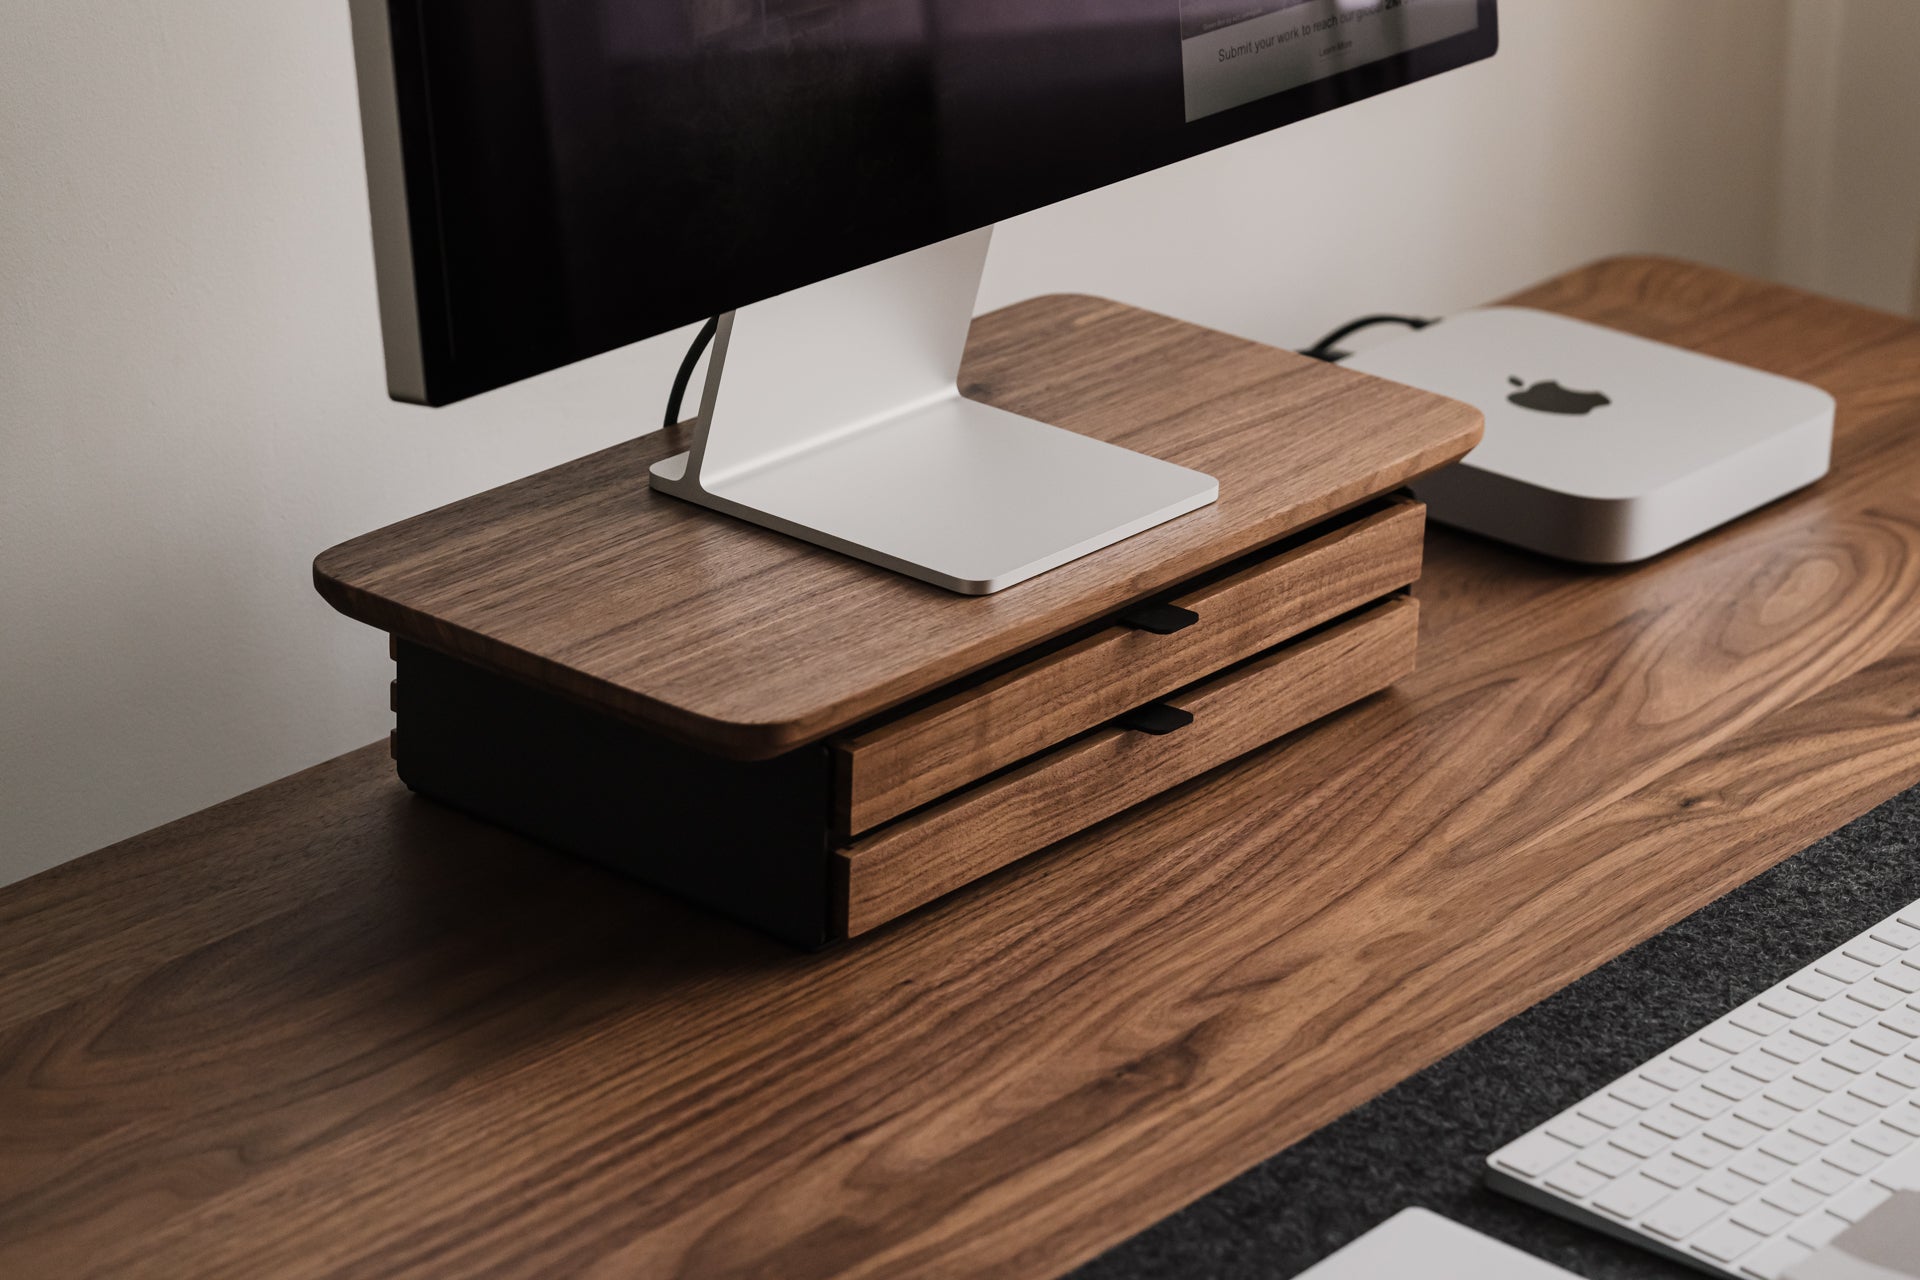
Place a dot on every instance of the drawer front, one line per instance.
(930, 853)
(922, 756)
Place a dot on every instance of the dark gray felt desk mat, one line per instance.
(1425, 1141)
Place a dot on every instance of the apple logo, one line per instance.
(1551, 397)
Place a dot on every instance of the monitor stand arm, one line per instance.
(833, 414)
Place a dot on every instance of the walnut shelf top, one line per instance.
(583, 580)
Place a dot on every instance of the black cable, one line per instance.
(681, 379)
(1325, 350)
(1321, 350)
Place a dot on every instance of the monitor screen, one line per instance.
(581, 174)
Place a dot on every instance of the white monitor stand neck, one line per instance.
(840, 421)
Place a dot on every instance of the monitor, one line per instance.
(553, 179)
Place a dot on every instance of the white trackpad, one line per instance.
(1416, 1244)
(1884, 1245)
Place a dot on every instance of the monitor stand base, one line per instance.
(842, 424)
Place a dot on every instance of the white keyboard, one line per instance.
(1752, 1143)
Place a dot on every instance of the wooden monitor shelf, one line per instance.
(815, 745)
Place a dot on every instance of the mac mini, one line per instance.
(1600, 446)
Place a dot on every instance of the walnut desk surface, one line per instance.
(326, 1028)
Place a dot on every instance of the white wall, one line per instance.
(190, 382)
(1849, 183)
(1600, 127)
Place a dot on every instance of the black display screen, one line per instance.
(581, 174)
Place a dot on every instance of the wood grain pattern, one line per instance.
(1094, 777)
(584, 581)
(920, 757)
(328, 1029)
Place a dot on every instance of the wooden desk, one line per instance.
(327, 1028)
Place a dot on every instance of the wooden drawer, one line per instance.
(930, 853)
(887, 771)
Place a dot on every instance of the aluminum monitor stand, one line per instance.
(833, 414)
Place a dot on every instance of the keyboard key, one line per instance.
(1789, 1047)
(1824, 1076)
(1703, 1151)
(1816, 986)
(1852, 1057)
(1725, 1184)
(1611, 1160)
(1630, 1196)
(1670, 1171)
(1760, 1166)
(1867, 951)
(1761, 1065)
(1820, 1029)
(1639, 1139)
(1819, 1128)
(1578, 1130)
(1902, 1071)
(1790, 1147)
(1725, 1241)
(1758, 1215)
(1823, 1177)
(1729, 1083)
(1758, 1019)
(1636, 1092)
(1896, 935)
(1735, 1132)
(1843, 968)
(1853, 1157)
(1669, 1074)
(1699, 1055)
(1577, 1180)
(1902, 978)
(1670, 1122)
(1732, 1039)
(1882, 1040)
(1793, 1197)
(1534, 1154)
(1768, 1114)
(1849, 1110)
(1901, 1172)
(1790, 1004)
(1875, 994)
(1797, 1095)
(1771, 1260)
(1905, 1118)
(1883, 1138)
(1679, 1216)
(1857, 1202)
(1611, 1113)
(1816, 1230)
(1702, 1103)
(1879, 1090)
(1850, 1012)
(1905, 1020)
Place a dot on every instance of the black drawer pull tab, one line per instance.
(1161, 619)
(1156, 718)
